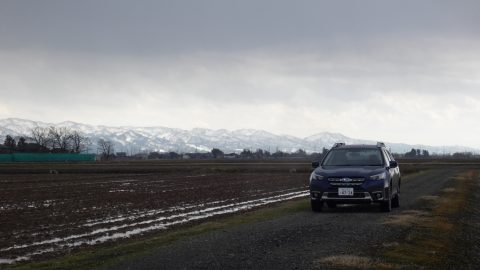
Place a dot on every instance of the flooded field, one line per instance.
(44, 214)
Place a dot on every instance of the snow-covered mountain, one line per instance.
(163, 139)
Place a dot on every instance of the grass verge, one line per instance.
(99, 257)
(433, 233)
(352, 262)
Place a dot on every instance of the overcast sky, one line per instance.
(399, 71)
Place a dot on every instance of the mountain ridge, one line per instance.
(133, 139)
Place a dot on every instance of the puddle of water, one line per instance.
(12, 261)
(94, 222)
(121, 190)
(160, 223)
(6, 261)
(91, 223)
(187, 217)
(26, 257)
(194, 176)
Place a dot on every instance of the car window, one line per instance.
(354, 157)
(387, 156)
(390, 155)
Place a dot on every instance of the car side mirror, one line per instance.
(393, 164)
(315, 164)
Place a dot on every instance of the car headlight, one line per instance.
(380, 176)
(316, 177)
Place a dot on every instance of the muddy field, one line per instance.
(51, 209)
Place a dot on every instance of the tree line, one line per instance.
(417, 153)
(258, 154)
(48, 140)
(56, 140)
(422, 154)
(64, 140)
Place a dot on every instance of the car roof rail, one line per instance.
(338, 144)
(380, 144)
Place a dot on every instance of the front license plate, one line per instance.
(345, 191)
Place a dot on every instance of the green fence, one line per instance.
(45, 157)
(6, 157)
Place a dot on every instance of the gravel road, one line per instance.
(295, 241)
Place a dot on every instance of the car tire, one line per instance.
(396, 199)
(386, 206)
(331, 205)
(316, 206)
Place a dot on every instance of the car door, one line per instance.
(395, 172)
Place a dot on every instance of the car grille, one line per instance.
(346, 181)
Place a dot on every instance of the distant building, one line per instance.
(231, 156)
(121, 154)
(4, 149)
(140, 156)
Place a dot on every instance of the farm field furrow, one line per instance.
(43, 215)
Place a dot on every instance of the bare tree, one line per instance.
(41, 136)
(79, 143)
(106, 148)
(21, 144)
(60, 138)
(217, 153)
(10, 143)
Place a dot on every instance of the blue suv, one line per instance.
(351, 174)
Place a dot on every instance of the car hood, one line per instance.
(334, 171)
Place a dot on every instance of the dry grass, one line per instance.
(352, 262)
(407, 218)
(448, 190)
(429, 198)
(430, 240)
(391, 244)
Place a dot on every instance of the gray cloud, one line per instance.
(145, 27)
(407, 70)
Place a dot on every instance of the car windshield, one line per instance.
(354, 157)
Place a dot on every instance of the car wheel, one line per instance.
(386, 206)
(331, 205)
(316, 206)
(396, 199)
